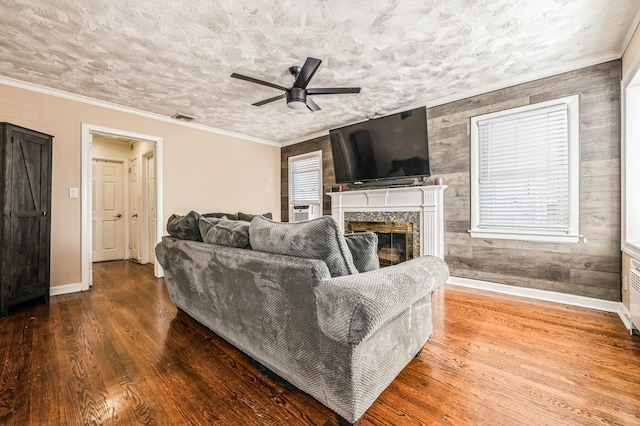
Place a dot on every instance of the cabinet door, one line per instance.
(30, 203)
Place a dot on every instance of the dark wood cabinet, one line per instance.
(25, 223)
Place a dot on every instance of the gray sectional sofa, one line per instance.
(306, 302)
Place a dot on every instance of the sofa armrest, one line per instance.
(351, 308)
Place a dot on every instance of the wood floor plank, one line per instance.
(121, 353)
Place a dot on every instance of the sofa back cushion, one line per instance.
(249, 217)
(314, 239)
(229, 216)
(185, 227)
(224, 232)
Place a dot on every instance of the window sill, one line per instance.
(632, 248)
(525, 236)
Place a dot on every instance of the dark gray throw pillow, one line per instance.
(207, 223)
(249, 217)
(230, 233)
(314, 239)
(185, 227)
(229, 216)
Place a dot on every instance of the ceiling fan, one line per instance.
(297, 94)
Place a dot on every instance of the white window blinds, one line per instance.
(305, 179)
(525, 174)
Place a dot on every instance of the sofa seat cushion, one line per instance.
(185, 227)
(224, 232)
(314, 239)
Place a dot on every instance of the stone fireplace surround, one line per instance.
(422, 205)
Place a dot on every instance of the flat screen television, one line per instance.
(391, 147)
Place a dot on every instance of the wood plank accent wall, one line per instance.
(328, 176)
(590, 268)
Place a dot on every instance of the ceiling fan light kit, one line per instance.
(296, 98)
(296, 95)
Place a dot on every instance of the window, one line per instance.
(629, 160)
(305, 186)
(525, 172)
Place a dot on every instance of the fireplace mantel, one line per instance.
(427, 200)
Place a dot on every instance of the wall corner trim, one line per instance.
(59, 290)
(548, 296)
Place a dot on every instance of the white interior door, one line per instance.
(108, 207)
(151, 192)
(134, 211)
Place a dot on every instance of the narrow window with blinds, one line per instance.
(525, 172)
(305, 186)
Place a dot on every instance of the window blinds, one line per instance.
(523, 171)
(305, 180)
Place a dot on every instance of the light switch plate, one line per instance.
(73, 192)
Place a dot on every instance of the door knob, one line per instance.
(135, 215)
(118, 216)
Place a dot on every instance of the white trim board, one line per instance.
(120, 108)
(548, 296)
(87, 147)
(481, 90)
(625, 316)
(632, 29)
(59, 290)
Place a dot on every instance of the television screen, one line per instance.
(390, 147)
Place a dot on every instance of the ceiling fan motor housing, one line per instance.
(296, 98)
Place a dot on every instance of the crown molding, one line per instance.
(305, 138)
(627, 38)
(503, 84)
(525, 78)
(128, 110)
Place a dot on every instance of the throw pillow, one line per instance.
(207, 223)
(314, 239)
(229, 216)
(364, 249)
(249, 217)
(185, 227)
(230, 233)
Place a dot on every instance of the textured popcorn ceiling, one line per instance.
(166, 56)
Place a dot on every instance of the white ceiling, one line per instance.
(168, 56)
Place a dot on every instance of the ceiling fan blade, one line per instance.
(255, 80)
(312, 105)
(333, 90)
(266, 101)
(308, 69)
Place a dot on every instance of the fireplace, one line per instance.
(395, 239)
(421, 206)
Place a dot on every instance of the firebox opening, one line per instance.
(395, 239)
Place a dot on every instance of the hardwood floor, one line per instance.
(120, 354)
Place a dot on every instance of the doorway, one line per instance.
(121, 198)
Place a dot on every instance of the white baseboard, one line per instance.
(549, 296)
(625, 316)
(65, 289)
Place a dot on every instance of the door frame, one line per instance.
(87, 149)
(146, 233)
(130, 209)
(125, 193)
